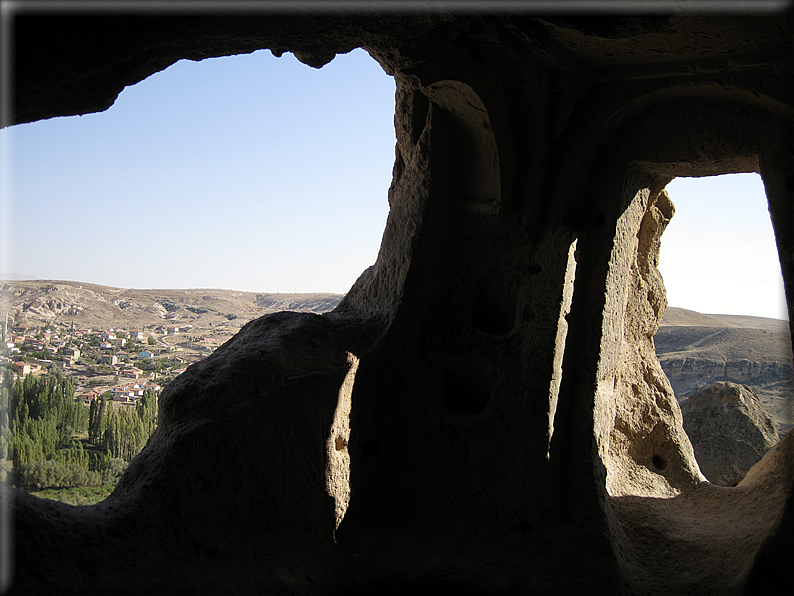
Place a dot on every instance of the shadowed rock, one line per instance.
(730, 430)
(510, 428)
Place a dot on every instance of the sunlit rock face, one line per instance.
(646, 452)
(509, 427)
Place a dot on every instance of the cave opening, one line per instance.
(724, 343)
(161, 178)
(249, 173)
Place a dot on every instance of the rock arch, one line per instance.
(637, 422)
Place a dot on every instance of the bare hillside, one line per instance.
(725, 343)
(681, 317)
(690, 318)
(695, 349)
(48, 301)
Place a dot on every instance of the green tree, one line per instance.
(112, 470)
(39, 437)
(52, 474)
(24, 450)
(125, 435)
(93, 421)
(147, 411)
(97, 421)
(42, 415)
(6, 386)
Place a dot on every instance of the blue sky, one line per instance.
(262, 174)
(248, 172)
(718, 253)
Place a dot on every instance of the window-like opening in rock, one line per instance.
(477, 187)
(724, 342)
(245, 172)
(252, 174)
(337, 469)
(562, 334)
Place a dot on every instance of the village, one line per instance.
(125, 341)
(83, 366)
(123, 362)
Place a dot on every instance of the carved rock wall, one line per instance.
(510, 428)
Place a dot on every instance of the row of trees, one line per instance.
(55, 441)
(122, 433)
(37, 416)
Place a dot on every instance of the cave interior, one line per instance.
(507, 426)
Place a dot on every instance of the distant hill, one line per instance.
(13, 275)
(683, 317)
(85, 304)
(679, 317)
(725, 343)
(695, 349)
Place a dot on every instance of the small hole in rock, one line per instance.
(659, 462)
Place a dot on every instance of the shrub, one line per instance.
(6, 466)
(113, 470)
(50, 474)
(83, 495)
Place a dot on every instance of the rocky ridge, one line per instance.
(48, 301)
(697, 349)
(729, 429)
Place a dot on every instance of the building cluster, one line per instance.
(65, 352)
(34, 351)
(124, 394)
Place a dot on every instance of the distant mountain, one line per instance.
(689, 318)
(695, 349)
(17, 276)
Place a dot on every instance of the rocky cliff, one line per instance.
(695, 350)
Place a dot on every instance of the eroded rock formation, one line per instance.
(729, 430)
(510, 429)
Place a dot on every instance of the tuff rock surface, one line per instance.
(730, 430)
(509, 426)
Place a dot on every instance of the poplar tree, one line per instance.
(147, 411)
(97, 418)
(93, 422)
